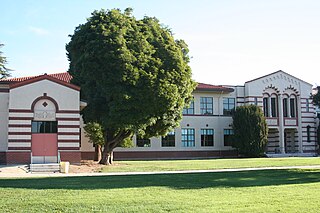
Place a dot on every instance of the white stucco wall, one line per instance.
(22, 97)
(4, 112)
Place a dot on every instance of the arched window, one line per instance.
(274, 105)
(293, 106)
(308, 133)
(285, 106)
(266, 105)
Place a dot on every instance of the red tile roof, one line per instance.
(64, 76)
(209, 87)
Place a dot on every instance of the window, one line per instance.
(143, 142)
(168, 140)
(292, 107)
(266, 107)
(206, 105)
(228, 105)
(285, 107)
(274, 112)
(207, 137)
(227, 133)
(256, 101)
(308, 133)
(189, 110)
(187, 137)
(44, 127)
(307, 105)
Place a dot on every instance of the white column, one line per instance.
(269, 105)
(281, 126)
(299, 124)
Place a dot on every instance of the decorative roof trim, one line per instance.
(278, 72)
(43, 77)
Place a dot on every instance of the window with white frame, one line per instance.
(227, 136)
(274, 107)
(168, 140)
(207, 137)
(206, 105)
(266, 106)
(292, 107)
(187, 137)
(189, 110)
(143, 142)
(285, 107)
(228, 106)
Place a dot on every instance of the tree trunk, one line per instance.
(111, 142)
(98, 153)
(107, 157)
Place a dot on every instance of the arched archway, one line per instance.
(44, 139)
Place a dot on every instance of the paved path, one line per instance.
(20, 171)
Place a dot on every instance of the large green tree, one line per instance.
(316, 102)
(133, 74)
(250, 131)
(4, 71)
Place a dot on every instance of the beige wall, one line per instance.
(4, 112)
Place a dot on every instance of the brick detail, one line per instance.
(3, 158)
(164, 155)
(18, 157)
(87, 155)
(72, 157)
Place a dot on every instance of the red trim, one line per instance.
(68, 141)
(19, 133)
(19, 140)
(4, 90)
(69, 111)
(19, 148)
(68, 126)
(44, 77)
(44, 97)
(68, 148)
(20, 110)
(68, 133)
(20, 118)
(68, 119)
(19, 125)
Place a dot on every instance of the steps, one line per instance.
(48, 167)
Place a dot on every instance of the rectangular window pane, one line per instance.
(168, 140)
(266, 107)
(285, 107)
(143, 142)
(189, 110)
(207, 137)
(206, 105)
(228, 137)
(228, 106)
(273, 107)
(44, 127)
(187, 137)
(292, 108)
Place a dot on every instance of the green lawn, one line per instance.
(293, 190)
(176, 165)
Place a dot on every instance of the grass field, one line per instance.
(293, 190)
(175, 165)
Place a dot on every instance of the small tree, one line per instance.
(4, 71)
(250, 131)
(94, 132)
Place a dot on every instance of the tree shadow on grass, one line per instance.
(174, 181)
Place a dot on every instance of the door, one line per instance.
(44, 142)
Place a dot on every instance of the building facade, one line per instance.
(40, 121)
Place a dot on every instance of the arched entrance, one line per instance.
(44, 137)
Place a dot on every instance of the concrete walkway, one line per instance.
(20, 171)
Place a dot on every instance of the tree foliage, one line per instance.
(4, 71)
(250, 131)
(134, 76)
(316, 97)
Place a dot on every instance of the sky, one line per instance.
(230, 41)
